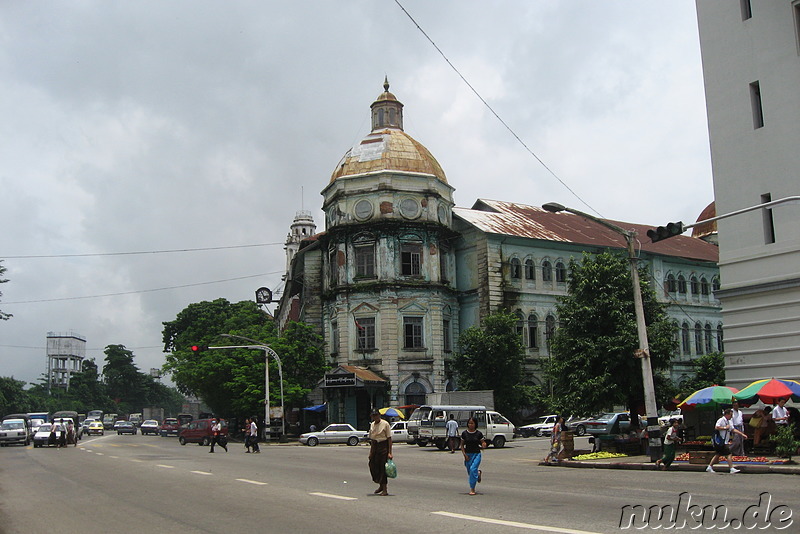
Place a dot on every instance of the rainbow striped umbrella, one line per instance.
(769, 391)
(710, 397)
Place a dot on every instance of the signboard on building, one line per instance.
(340, 380)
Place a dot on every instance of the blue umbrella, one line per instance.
(392, 412)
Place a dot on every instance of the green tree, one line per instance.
(709, 370)
(492, 357)
(593, 365)
(124, 382)
(13, 398)
(3, 316)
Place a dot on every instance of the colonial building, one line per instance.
(399, 272)
(751, 72)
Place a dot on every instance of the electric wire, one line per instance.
(493, 112)
(139, 252)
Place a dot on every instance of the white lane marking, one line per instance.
(113, 456)
(165, 466)
(257, 483)
(516, 524)
(135, 460)
(100, 454)
(332, 496)
(202, 473)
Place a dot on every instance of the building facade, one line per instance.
(751, 69)
(399, 272)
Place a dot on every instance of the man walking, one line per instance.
(723, 430)
(216, 431)
(380, 450)
(737, 419)
(452, 434)
(254, 435)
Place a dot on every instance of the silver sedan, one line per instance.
(335, 433)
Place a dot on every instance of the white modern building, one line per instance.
(751, 66)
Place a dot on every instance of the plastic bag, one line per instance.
(391, 469)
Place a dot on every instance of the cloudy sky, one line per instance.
(159, 126)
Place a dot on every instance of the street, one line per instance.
(132, 483)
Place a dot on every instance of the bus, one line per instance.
(97, 415)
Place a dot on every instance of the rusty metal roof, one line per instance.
(533, 222)
(363, 373)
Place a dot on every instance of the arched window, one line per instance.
(520, 327)
(681, 284)
(549, 329)
(533, 331)
(695, 285)
(516, 268)
(698, 338)
(686, 344)
(703, 286)
(561, 273)
(529, 270)
(415, 393)
(715, 284)
(672, 287)
(547, 271)
(720, 346)
(709, 340)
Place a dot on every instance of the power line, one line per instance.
(485, 103)
(142, 290)
(169, 251)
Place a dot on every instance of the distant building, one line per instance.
(65, 354)
(399, 272)
(751, 70)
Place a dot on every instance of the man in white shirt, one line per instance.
(737, 444)
(780, 414)
(452, 434)
(723, 431)
(254, 435)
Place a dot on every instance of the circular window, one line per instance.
(409, 208)
(442, 214)
(363, 210)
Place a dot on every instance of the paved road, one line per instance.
(127, 484)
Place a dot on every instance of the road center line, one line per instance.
(164, 466)
(257, 483)
(202, 473)
(135, 460)
(516, 524)
(332, 496)
(113, 456)
(100, 454)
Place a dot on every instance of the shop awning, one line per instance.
(317, 408)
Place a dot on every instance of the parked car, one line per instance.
(664, 419)
(199, 432)
(609, 423)
(170, 427)
(42, 436)
(96, 428)
(400, 433)
(542, 427)
(578, 424)
(126, 427)
(14, 431)
(150, 426)
(335, 433)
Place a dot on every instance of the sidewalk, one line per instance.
(643, 463)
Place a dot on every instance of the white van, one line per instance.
(428, 424)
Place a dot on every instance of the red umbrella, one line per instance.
(769, 391)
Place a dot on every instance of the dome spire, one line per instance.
(387, 111)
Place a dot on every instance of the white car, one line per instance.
(42, 436)
(335, 433)
(400, 433)
(664, 419)
(151, 426)
(542, 427)
(14, 431)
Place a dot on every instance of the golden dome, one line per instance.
(388, 150)
(706, 229)
(388, 147)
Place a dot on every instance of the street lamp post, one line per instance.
(267, 353)
(653, 429)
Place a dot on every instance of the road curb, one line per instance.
(638, 466)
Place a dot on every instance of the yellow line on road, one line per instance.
(332, 496)
(515, 524)
(257, 483)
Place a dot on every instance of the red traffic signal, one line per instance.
(199, 348)
(665, 232)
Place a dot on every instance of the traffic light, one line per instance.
(665, 232)
(199, 348)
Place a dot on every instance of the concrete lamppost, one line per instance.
(653, 429)
(267, 353)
